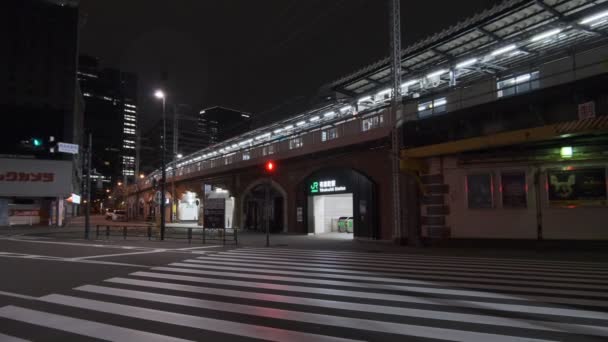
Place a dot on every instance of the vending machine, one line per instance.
(188, 207)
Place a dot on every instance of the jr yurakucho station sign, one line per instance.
(329, 186)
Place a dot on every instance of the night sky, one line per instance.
(251, 55)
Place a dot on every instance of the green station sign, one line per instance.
(325, 186)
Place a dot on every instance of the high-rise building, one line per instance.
(181, 119)
(111, 113)
(220, 123)
(40, 104)
(38, 88)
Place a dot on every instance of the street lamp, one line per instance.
(159, 94)
(141, 176)
(119, 183)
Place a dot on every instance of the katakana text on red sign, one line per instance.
(31, 177)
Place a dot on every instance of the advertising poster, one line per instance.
(576, 187)
(514, 194)
(479, 191)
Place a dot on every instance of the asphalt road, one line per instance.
(60, 290)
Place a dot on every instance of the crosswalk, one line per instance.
(314, 295)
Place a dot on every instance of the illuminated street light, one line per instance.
(159, 94)
(119, 183)
(107, 190)
(141, 176)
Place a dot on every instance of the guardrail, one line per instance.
(225, 235)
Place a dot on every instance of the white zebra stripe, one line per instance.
(544, 310)
(493, 279)
(398, 257)
(342, 322)
(402, 265)
(301, 278)
(210, 324)
(385, 261)
(82, 327)
(366, 308)
(7, 338)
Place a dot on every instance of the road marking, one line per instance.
(392, 277)
(366, 308)
(7, 338)
(404, 256)
(17, 295)
(160, 250)
(421, 289)
(82, 327)
(52, 258)
(77, 244)
(413, 264)
(313, 318)
(193, 248)
(544, 310)
(227, 327)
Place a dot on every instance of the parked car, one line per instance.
(109, 213)
(119, 215)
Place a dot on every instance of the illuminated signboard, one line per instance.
(326, 186)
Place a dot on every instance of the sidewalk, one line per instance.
(339, 245)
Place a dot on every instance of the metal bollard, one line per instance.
(224, 237)
(107, 232)
(97, 229)
(204, 235)
(124, 232)
(149, 232)
(189, 235)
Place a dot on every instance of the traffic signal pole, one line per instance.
(267, 210)
(87, 212)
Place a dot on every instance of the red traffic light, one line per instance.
(270, 166)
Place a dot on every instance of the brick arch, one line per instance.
(275, 185)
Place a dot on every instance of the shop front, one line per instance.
(34, 191)
(339, 203)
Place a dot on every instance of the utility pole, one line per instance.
(396, 109)
(87, 213)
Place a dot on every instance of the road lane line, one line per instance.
(210, 324)
(17, 295)
(194, 248)
(82, 327)
(52, 258)
(473, 304)
(365, 308)
(160, 250)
